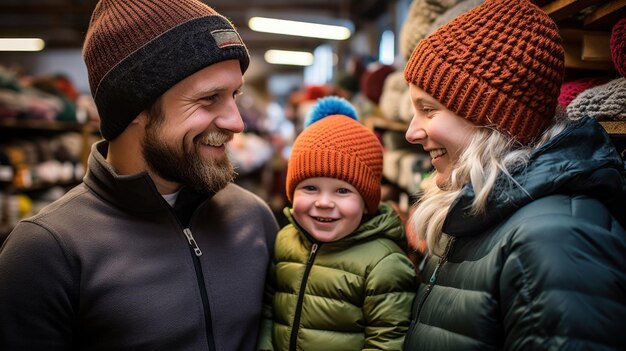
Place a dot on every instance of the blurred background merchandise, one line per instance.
(48, 120)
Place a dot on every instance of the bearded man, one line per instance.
(157, 248)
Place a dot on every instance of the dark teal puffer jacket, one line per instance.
(358, 292)
(543, 270)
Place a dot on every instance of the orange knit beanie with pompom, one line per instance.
(335, 145)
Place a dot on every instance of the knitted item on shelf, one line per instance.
(452, 13)
(407, 168)
(337, 146)
(420, 15)
(373, 79)
(604, 102)
(500, 64)
(393, 89)
(406, 107)
(618, 46)
(571, 89)
(136, 50)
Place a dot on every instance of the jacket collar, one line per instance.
(134, 193)
(385, 223)
(579, 160)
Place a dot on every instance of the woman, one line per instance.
(525, 226)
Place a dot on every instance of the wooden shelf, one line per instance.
(377, 122)
(33, 124)
(598, 14)
(606, 15)
(615, 128)
(573, 59)
(562, 9)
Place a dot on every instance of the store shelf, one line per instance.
(603, 15)
(615, 128)
(377, 122)
(33, 124)
(563, 9)
(11, 127)
(606, 15)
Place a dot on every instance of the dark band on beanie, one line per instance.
(168, 47)
(500, 64)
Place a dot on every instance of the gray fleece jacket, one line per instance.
(111, 266)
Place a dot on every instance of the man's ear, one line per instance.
(141, 119)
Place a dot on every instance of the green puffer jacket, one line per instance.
(352, 294)
(544, 269)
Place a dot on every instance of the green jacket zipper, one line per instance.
(433, 279)
(296, 319)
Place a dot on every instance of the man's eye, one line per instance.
(211, 98)
(343, 191)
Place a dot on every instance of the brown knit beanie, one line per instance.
(338, 146)
(500, 64)
(136, 50)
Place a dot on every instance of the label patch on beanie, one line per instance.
(226, 37)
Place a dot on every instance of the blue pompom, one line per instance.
(330, 105)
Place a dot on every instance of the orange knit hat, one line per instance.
(500, 64)
(337, 146)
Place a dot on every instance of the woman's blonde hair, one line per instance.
(488, 154)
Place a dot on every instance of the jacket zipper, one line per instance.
(192, 242)
(433, 278)
(296, 319)
(200, 278)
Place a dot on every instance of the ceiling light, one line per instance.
(284, 57)
(21, 44)
(298, 28)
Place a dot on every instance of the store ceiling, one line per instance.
(62, 23)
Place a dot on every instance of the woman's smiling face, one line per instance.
(441, 132)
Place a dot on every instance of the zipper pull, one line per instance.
(192, 242)
(313, 251)
(433, 277)
(442, 260)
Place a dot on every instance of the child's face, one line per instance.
(440, 131)
(327, 208)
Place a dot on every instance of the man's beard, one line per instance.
(186, 166)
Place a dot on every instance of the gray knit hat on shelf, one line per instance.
(405, 111)
(393, 88)
(421, 14)
(603, 102)
(453, 12)
(136, 50)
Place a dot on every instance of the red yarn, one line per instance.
(373, 80)
(571, 89)
(618, 46)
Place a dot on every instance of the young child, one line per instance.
(340, 278)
